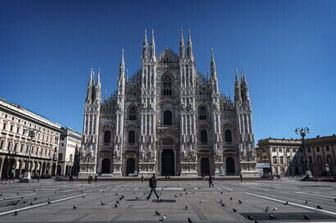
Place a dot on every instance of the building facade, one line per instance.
(287, 156)
(28, 142)
(70, 142)
(167, 119)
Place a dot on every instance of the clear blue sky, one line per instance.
(286, 47)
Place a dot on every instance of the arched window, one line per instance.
(167, 85)
(228, 136)
(132, 114)
(167, 118)
(131, 137)
(202, 113)
(204, 136)
(107, 137)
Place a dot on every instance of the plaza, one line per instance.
(286, 200)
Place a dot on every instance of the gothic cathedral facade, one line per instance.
(167, 119)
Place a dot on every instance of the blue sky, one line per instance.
(287, 49)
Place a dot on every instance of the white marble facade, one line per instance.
(167, 119)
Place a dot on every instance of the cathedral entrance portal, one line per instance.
(167, 163)
(106, 166)
(130, 166)
(205, 167)
(230, 168)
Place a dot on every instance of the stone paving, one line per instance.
(112, 201)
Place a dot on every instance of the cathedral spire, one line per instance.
(90, 87)
(122, 65)
(182, 50)
(145, 47)
(244, 88)
(237, 96)
(189, 48)
(98, 78)
(152, 47)
(213, 65)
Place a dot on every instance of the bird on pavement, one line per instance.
(234, 210)
(175, 196)
(74, 207)
(15, 213)
(266, 209)
(35, 198)
(286, 203)
(117, 201)
(221, 192)
(162, 218)
(274, 209)
(102, 203)
(230, 198)
(334, 199)
(157, 213)
(49, 202)
(306, 202)
(115, 205)
(239, 201)
(186, 208)
(319, 207)
(31, 203)
(189, 220)
(306, 217)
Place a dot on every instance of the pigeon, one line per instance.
(186, 208)
(306, 217)
(175, 196)
(35, 198)
(223, 205)
(102, 203)
(286, 203)
(266, 209)
(117, 201)
(162, 218)
(334, 199)
(306, 202)
(189, 220)
(201, 201)
(239, 201)
(74, 207)
(221, 192)
(157, 213)
(15, 213)
(272, 216)
(234, 210)
(31, 203)
(115, 205)
(230, 198)
(249, 217)
(274, 209)
(17, 193)
(255, 221)
(319, 207)
(116, 194)
(49, 202)
(0, 194)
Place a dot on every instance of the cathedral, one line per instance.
(167, 119)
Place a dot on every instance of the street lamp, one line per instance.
(31, 133)
(303, 132)
(10, 157)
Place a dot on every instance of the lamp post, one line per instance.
(31, 133)
(11, 154)
(303, 131)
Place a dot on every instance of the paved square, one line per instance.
(286, 200)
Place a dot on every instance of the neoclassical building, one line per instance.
(29, 143)
(167, 119)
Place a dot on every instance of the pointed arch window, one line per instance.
(204, 136)
(107, 137)
(167, 118)
(202, 113)
(228, 136)
(167, 85)
(131, 137)
(132, 114)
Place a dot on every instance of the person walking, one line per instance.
(210, 181)
(152, 185)
(142, 178)
(241, 177)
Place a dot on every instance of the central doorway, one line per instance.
(130, 166)
(106, 166)
(167, 163)
(230, 168)
(205, 167)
